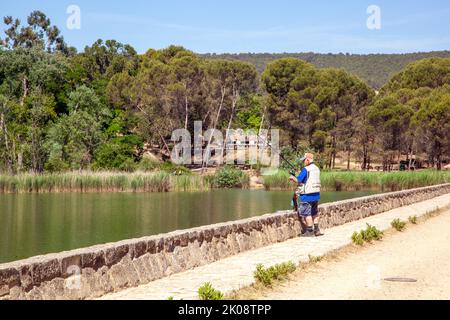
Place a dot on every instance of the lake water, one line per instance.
(34, 224)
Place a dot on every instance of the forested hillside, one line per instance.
(375, 69)
(99, 109)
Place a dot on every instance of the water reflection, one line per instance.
(33, 224)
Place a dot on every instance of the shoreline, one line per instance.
(160, 181)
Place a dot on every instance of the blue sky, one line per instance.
(251, 26)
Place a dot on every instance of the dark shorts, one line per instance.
(309, 209)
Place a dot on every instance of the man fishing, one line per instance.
(309, 190)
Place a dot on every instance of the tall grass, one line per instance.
(162, 181)
(278, 181)
(190, 183)
(102, 182)
(354, 181)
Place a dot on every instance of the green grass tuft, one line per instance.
(266, 276)
(412, 219)
(398, 225)
(368, 235)
(207, 292)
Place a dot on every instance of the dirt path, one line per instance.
(421, 252)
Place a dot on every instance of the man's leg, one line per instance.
(305, 213)
(315, 217)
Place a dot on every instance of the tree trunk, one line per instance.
(228, 129)
(164, 143)
(24, 89)
(348, 158)
(206, 160)
(19, 161)
(410, 156)
(333, 155)
(334, 159)
(4, 130)
(233, 107)
(262, 122)
(186, 107)
(439, 156)
(365, 165)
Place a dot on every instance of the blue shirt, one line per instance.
(302, 178)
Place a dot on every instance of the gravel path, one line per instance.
(237, 271)
(421, 252)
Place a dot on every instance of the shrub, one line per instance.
(412, 219)
(207, 292)
(174, 169)
(398, 224)
(315, 259)
(128, 165)
(371, 233)
(229, 177)
(266, 276)
(147, 164)
(357, 238)
(118, 153)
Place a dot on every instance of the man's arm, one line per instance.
(301, 179)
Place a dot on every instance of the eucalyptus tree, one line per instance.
(38, 34)
(74, 138)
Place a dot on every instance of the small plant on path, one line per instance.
(357, 238)
(398, 225)
(368, 235)
(266, 276)
(412, 219)
(371, 233)
(207, 292)
(314, 259)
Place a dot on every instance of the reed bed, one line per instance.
(278, 181)
(101, 182)
(190, 183)
(354, 181)
(162, 181)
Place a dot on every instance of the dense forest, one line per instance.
(103, 108)
(375, 69)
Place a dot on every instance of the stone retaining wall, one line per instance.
(94, 271)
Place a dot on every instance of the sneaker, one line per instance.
(317, 233)
(307, 234)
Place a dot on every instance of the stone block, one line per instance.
(26, 277)
(139, 248)
(94, 259)
(9, 277)
(115, 254)
(169, 244)
(69, 263)
(151, 246)
(119, 279)
(45, 270)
